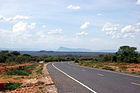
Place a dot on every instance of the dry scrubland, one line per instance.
(126, 59)
(119, 66)
(25, 78)
(23, 73)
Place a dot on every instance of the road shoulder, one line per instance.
(50, 88)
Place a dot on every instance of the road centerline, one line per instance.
(100, 75)
(74, 79)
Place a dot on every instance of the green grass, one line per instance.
(6, 76)
(108, 68)
(23, 71)
(15, 71)
(12, 86)
(17, 78)
(119, 67)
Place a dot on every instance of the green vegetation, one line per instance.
(108, 68)
(40, 83)
(29, 71)
(12, 86)
(125, 54)
(16, 71)
(119, 61)
(126, 59)
(23, 70)
(15, 57)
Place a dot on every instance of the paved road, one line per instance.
(71, 78)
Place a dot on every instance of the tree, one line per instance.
(3, 56)
(27, 55)
(127, 54)
(15, 53)
(106, 57)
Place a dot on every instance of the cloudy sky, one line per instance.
(49, 24)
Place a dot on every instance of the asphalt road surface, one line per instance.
(70, 78)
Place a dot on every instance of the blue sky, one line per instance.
(50, 24)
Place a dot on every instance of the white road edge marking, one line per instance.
(74, 79)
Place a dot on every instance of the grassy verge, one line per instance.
(15, 75)
(12, 86)
(119, 67)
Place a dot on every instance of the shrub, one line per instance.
(12, 86)
(40, 83)
(76, 61)
(15, 71)
(108, 68)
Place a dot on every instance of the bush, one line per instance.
(19, 71)
(76, 61)
(108, 68)
(12, 86)
(40, 83)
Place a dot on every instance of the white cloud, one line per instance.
(16, 18)
(116, 35)
(112, 30)
(82, 33)
(41, 34)
(128, 29)
(43, 26)
(129, 35)
(74, 7)
(20, 32)
(55, 31)
(85, 25)
(22, 26)
(99, 14)
(110, 27)
(131, 28)
(138, 24)
(31, 26)
(113, 34)
(137, 27)
(138, 2)
(118, 31)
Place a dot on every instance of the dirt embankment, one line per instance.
(50, 88)
(3, 69)
(39, 84)
(130, 68)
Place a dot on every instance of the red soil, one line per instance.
(2, 69)
(135, 65)
(30, 89)
(3, 72)
(12, 80)
(129, 67)
(133, 69)
(113, 67)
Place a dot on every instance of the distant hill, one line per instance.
(73, 49)
(18, 49)
(1, 49)
(60, 49)
(62, 53)
(107, 50)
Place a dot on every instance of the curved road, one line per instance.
(70, 78)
